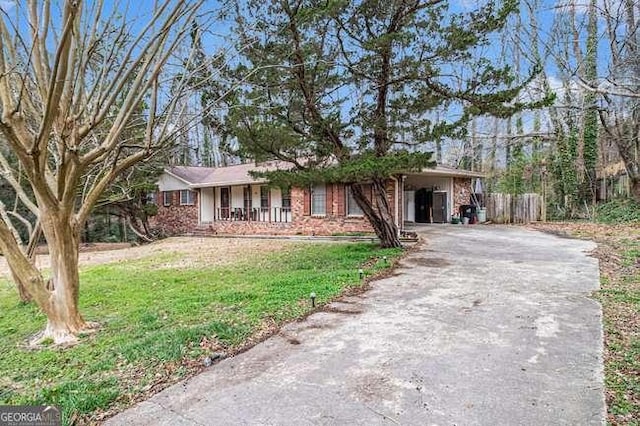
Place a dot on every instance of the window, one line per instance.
(166, 198)
(286, 198)
(151, 198)
(318, 200)
(264, 197)
(352, 207)
(187, 198)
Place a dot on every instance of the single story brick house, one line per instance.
(227, 200)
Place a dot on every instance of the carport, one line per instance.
(433, 195)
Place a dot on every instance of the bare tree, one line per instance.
(612, 92)
(619, 89)
(73, 79)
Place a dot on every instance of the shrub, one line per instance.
(623, 210)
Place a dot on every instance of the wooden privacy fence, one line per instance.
(507, 208)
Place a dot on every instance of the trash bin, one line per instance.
(482, 214)
(467, 210)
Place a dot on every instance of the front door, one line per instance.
(225, 201)
(422, 206)
(439, 207)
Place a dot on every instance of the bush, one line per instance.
(623, 210)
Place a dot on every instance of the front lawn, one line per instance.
(158, 322)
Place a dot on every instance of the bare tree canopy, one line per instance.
(85, 94)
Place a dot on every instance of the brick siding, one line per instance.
(175, 219)
(461, 193)
(178, 220)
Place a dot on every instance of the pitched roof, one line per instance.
(200, 177)
(237, 174)
(190, 175)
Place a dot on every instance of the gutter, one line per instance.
(228, 183)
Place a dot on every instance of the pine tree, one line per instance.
(341, 90)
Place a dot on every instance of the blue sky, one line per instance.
(547, 10)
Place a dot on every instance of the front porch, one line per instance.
(245, 203)
(241, 214)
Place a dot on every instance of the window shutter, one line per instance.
(329, 195)
(342, 199)
(368, 191)
(306, 204)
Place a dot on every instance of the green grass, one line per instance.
(354, 234)
(155, 323)
(621, 303)
(620, 298)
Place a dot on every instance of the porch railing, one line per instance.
(239, 214)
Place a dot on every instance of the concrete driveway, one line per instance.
(481, 326)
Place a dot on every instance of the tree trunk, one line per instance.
(633, 171)
(378, 211)
(140, 231)
(30, 252)
(627, 141)
(64, 321)
(635, 189)
(22, 268)
(25, 296)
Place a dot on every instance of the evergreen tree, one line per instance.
(342, 89)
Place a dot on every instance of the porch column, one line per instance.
(396, 188)
(401, 203)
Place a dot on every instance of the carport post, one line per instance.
(400, 200)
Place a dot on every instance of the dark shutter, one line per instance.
(342, 199)
(306, 204)
(367, 189)
(329, 194)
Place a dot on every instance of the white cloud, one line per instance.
(559, 87)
